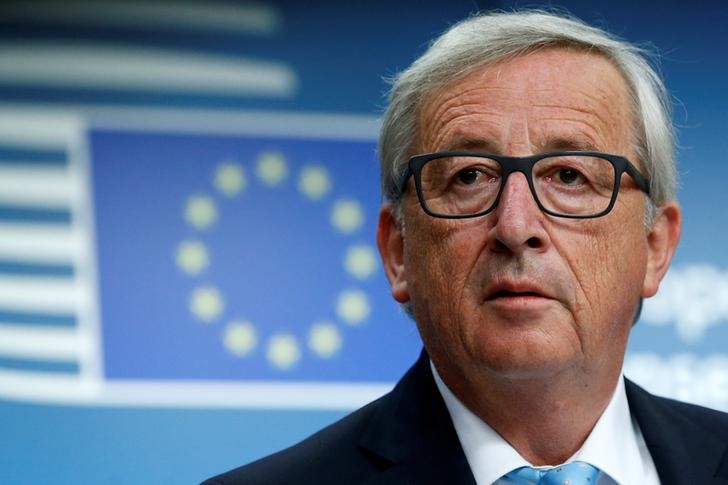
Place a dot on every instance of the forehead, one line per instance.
(554, 98)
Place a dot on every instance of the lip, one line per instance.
(516, 291)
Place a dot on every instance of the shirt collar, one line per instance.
(612, 446)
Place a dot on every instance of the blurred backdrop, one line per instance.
(188, 200)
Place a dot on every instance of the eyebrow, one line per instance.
(471, 144)
(578, 143)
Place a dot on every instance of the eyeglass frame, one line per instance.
(525, 166)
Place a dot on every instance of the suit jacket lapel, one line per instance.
(412, 435)
(684, 452)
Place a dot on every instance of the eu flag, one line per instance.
(245, 257)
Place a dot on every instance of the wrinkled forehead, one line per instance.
(550, 98)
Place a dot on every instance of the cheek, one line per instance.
(609, 267)
(625, 248)
(439, 257)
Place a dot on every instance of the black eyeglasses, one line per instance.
(574, 184)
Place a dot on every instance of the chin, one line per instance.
(530, 371)
(521, 360)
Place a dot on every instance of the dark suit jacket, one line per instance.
(407, 437)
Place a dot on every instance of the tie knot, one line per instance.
(575, 473)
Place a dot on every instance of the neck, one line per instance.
(545, 420)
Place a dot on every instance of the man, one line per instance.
(529, 175)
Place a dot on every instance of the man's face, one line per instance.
(519, 293)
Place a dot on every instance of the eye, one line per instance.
(568, 176)
(469, 176)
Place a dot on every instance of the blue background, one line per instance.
(340, 55)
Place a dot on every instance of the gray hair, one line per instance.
(488, 38)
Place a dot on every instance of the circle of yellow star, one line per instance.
(360, 261)
(206, 303)
(353, 307)
(272, 168)
(192, 257)
(200, 212)
(230, 179)
(240, 338)
(347, 216)
(314, 182)
(324, 339)
(283, 351)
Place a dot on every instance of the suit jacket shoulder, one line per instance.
(404, 437)
(688, 443)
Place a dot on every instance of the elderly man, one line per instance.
(529, 175)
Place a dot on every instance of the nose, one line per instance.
(517, 223)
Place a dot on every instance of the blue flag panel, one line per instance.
(240, 257)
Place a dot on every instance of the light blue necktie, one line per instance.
(576, 473)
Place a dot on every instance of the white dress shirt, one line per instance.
(615, 445)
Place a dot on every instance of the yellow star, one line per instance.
(240, 338)
(192, 257)
(230, 179)
(347, 216)
(200, 212)
(283, 351)
(314, 182)
(353, 307)
(206, 303)
(272, 168)
(324, 339)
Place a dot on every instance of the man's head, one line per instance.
(517, 292)
(484, 40)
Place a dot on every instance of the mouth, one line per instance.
(515, 291)
(514, 294)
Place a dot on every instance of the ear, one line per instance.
(390, 240)
(661, 244)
